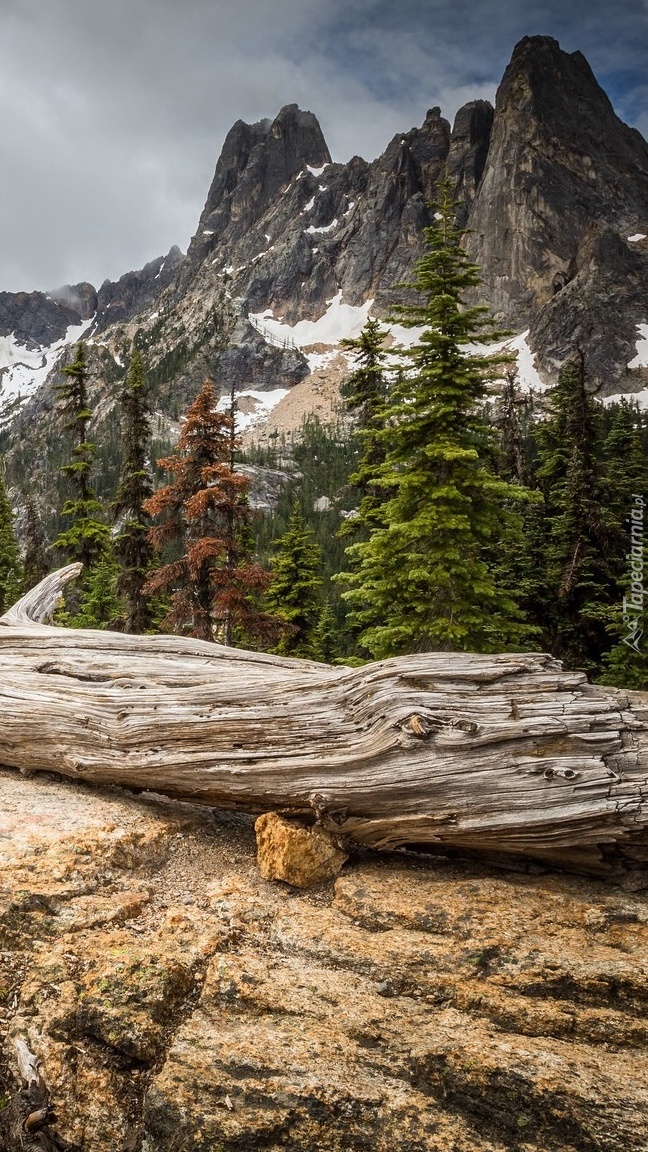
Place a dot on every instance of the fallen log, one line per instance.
(497, 754)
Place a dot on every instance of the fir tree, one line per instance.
(100, 605)
(626, 665)
(132, 546)
(294, 591)
(326, 637)
(421, 580)
(214, 585)
(365, 394)
(35, 563)
(11, 573)
(88, 535)
(582, 540)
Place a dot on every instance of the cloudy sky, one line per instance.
(113, 112)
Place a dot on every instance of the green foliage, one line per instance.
(132, 546)
(100, 605)
(294, 591)
(321, 458)
(327, 645)
(11, 570)
(365, 396)
(36, 561)
(421, 580)
(87, 537)
(583, 538)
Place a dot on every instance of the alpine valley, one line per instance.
(293, 252)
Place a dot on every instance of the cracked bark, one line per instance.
(505, 755)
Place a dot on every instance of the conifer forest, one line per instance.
(462, 513)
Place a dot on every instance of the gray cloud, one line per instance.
(112, 115)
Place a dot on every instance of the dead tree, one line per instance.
(499, 754)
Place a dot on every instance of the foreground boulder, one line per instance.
(300, 856)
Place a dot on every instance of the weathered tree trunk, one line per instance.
(500, 754)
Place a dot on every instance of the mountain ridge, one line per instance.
(552, 185)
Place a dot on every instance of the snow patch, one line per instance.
(23, 370)
(637, 237)
(641, 359)
(308, 207)
(640, 398)
(259, 405)
(405, 337)
(326, 228)
(316, 171)
(528, 377)
(319, 360)
(340, 322)
(259, 255)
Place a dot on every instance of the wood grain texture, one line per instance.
(498, 754)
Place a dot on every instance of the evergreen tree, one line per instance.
(11, 573)
(421, 580)
(626, 665)
(365, 394)
(132, 546)
(513, 415)
(326, 637)
(214, 585)
(100, 605)
(88, 535)
(583, 540)
(294, 591)
(36, 564)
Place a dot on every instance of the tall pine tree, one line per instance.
(36, 563)
(88, 535)
(364, 394)
(11, 572)
(583, 539)
(294, 591)
(214, 584)
(421, 580)
(132, 546)
(626, 664)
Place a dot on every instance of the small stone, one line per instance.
(297, 855)
(596, 919)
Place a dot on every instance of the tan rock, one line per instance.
(300, 856)
(184, 1004)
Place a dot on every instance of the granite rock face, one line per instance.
(35, 319)
(180, 1003)
(564, 186)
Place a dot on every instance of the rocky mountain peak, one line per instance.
(560, 164)
(468, 149)
(256, 163)
(81, 298)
